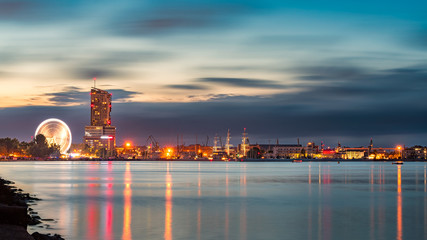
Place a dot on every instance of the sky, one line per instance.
(328, 71)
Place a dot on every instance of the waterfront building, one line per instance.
(195, 151)
(288, 151)
(415, 152)
(100, 136)
(364, 152)
(311, 150)
(271, 151)
(354, 153)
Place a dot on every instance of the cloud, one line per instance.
(330, 72)
(40, 11)
(416, 39)
(113, 64)
(119, 58)
(89, 73)
(69, 95)
(292, 41)
(72, 94)
(242, 82)
(187, 87)
(349, 87)
(170, 17)
(9, 9)
(122, 95)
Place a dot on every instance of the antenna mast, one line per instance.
(215, 147)
(227, 145)
(245, 144)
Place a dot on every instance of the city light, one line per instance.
(106, 137)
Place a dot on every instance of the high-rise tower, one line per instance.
(100, 136)
(100, 107)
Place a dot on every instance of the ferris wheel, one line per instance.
(56, 132)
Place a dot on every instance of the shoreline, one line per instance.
(16, 215)
(297, 160)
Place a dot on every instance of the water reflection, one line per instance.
(92, 211)
(399, 203)
(243, 183)
(371, 178)
(109, 203)
(232, 200)
(227, 194)
(243, 220)
(425, 179)
(199, 183)
(168, 205)
(127, 215)
(309, 181)
(243, 193)
(325, 211)
(199, 220)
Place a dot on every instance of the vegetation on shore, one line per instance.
(38, 147)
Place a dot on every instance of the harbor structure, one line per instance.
(228, 146)
(244, 146)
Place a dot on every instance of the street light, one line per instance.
(399, 148)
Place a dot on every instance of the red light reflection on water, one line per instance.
(399, 204)
(109, 212)
(327, 176)
(92, 212)
(109, 204)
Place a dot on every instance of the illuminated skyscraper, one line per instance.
(100, 136)
(100, 107)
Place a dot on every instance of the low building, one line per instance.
(288, 151)
(415, 152)
(101, 138)
(330, 154)
(354, 153)
(311, 150)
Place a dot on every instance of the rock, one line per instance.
(14, 215)
(14, 232)
(39, 236)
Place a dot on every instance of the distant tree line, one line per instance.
(38, 147)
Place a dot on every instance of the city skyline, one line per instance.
(326, 71)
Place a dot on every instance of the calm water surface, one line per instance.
(218, 200)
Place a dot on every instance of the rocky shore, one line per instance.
(15, 214)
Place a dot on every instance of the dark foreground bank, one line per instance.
(15, 214)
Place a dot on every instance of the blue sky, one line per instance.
(329, 70)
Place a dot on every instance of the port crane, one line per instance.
(152, 142)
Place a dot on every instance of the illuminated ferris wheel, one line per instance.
(56, 132)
